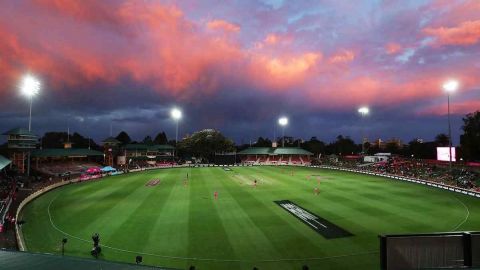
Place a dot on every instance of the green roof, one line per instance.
(257, 151)
(19, 131)
(65, 152)
(147, 147)
(291, 151)
(4, 162)
(26, 260)
(274, 151)
(111, 140)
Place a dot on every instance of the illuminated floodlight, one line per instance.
(176, 114)
(363, 110)
(30, 86)
(283, 121)
(450, 86)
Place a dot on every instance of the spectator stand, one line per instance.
(275, 156)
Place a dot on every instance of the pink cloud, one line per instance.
(466, 33)
(223, 25)
(462, 108)
(393, 48)
(343, 56)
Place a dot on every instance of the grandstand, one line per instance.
(145, 155)
(60, 161)
(275, 156)
(7, 188)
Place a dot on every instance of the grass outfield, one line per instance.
(174, 225)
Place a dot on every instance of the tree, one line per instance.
(470, 139)
(147, 140)
(57, 140)
(161, 138)
(419, 149)
(205, 143)
(392, 147)
(261, 142)
(314, 145)
(442, 140)
(123, 137)
(343, 145)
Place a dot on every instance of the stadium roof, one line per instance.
(274, 151)
(19, 131)
(4, 162)
(65, 152)
(26, 260)
(153, 147)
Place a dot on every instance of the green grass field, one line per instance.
(174, 225)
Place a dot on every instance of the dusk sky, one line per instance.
(237, 66)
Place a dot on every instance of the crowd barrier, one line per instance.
(409, 179)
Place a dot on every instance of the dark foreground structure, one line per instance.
(455, 250)
(26, 261)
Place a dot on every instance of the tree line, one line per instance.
(206, 143)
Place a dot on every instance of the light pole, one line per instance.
(283, 121)
(30, 87)
(176, 114)
(363, 111)
(449, 87)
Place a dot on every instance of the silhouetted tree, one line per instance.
(343, 146)
(442, 140)
(470, 139)
(161, 138)
(123, 137)
(261, 142)
(315, 146)
(205, 143)
(147, 140)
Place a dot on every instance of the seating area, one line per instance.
(67, 167)
(165, 163)
(276, 160)
(421, 169)
(8, 188)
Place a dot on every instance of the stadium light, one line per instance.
(364, 111)
(30, 87)
(176, 114)
(449, 87)
(283, 121)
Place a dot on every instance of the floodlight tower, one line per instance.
(283, 121)
(450, 87)
(363, 111)
(176, 115)
(30, 87)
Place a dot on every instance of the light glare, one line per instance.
(176, 114)
(283, 121)
(450, 86)
(30, 86)
(364, 110)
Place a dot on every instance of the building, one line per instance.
(20, 142)
(146, 154)
(110, 150)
